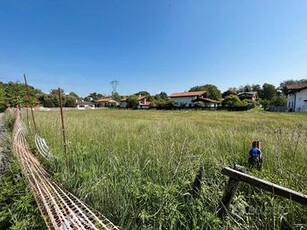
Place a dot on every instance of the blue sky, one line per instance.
(153, 45)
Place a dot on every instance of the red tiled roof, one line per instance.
(296, 86)
(188, 94)
(146, 103)
(141, 97)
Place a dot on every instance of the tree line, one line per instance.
(16, 93)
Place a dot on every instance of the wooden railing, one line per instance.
(238, 174)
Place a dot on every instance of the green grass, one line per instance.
(136, 167)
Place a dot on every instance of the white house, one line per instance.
(297, 97)
(106, 102)
(185, 99)
(85, 105)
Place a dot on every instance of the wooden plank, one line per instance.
(266, 185)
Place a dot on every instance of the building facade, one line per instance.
(297, 98)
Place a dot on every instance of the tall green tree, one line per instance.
(2, 98)
(16, 93)
(116, 96)
(93, 97)
(213, 92)
(268, 91)
(230, 91)
(70, 101)
(132, 102)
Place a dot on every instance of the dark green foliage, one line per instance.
(2, 98)
(213, 92)
(162, 101)
(232, 101)
(230, 91)
(93, 97)
(16, 93)
(18, 209)
(164, 104)
(279, 100)
(132, 102)
(116, 96)
(70, 101)
(48, 100)
(268, 91)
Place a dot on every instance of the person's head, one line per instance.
(254, 144)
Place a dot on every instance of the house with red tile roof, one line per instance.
(297, 97)
(143, 102)
(184, 99)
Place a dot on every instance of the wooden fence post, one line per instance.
(63, 127)
(196, 186)
(28, 95)
(229, 193)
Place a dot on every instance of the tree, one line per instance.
(93, 97)
(230, 91)
(70, 101)
(116, 96)
(143, 93)
(2, 98)
(132, 102)
(268, 91)
(74, 95)
(279, 100)
(48, 101)
(16, 93)
(257, 88)
(146, 94)
(232, 101)
(161, 96)
(213, 92)
(246, 88)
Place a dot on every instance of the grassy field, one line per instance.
(137, 167)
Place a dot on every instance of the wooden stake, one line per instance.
(28, 93)
(229, 193)
(196, 186)
(63, 127)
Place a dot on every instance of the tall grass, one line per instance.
(136, 167)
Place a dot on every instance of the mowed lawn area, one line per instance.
(136, 167)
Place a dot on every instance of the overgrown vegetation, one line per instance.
(18, 210)
(137, 167)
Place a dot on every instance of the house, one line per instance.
(143, 103)
(248, 95)
(297, 97)
(185, 99)
(85, 105)
(106, 102)
(123, 103)
(205, 103)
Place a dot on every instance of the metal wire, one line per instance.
(42, 147)
(60, 209)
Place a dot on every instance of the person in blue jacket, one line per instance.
(255, 155)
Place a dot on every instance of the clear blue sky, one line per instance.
(153, 45)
